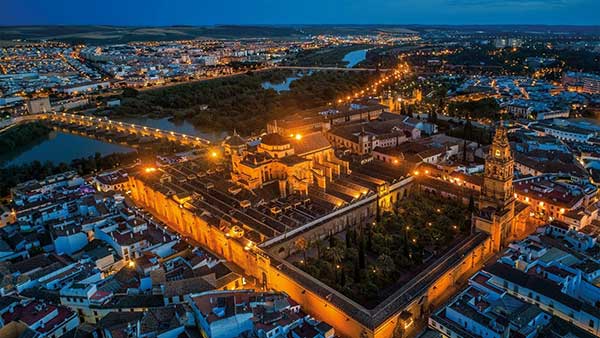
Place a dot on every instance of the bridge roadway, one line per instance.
(333, 68)
(102, 123)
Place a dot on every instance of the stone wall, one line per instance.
(348, 318)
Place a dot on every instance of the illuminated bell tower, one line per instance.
(497, 190)
(497, 200)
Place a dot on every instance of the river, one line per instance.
(64, 147)
(355, 57)
(280, 87)
(285, 85)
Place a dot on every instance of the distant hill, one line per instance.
(97, 34)
(117, 34)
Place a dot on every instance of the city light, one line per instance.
(338, 210)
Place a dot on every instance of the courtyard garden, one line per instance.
(369, 263)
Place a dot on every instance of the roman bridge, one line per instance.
(344, 69)
(92, 124)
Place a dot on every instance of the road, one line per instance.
(15, 121)
(333, 68)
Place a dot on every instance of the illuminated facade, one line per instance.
(296, 163)
(394, 101)
(497, 214)
(164, 191)
(287, 189)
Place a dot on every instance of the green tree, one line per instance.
(336, 255)
(357, 271)
(385, 264)
(301, 245)
(471, 207)
(361, 254)
(318, 245)
(130, 92)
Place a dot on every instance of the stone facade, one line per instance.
(497, 215)
(348, 318)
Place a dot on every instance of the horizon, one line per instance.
(313, 25)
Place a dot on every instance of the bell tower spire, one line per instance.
(496, 215)
(497, 190)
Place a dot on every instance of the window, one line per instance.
(591, 324)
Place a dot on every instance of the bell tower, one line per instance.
(497, 190)
(497, 201)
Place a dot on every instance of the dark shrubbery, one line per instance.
(241, 102)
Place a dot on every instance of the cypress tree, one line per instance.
(348, 238)
(361, 254)
(370, 239)
(356, 271)
(471, 204)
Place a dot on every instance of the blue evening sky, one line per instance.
(204, 12)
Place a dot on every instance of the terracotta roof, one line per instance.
(235, 140)
(310, 143)
(274, 140)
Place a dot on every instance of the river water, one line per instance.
(280, 87)
(355, 57)
(183, 127)
(64, 147)
(61, 147)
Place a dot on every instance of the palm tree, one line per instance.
(318, 245)
(385, 264)
(337, 255)
(301, 245)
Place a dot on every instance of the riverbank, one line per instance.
(226, 104)
(21, 136)
(60, 147)
(12, 175)
(327, 57)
